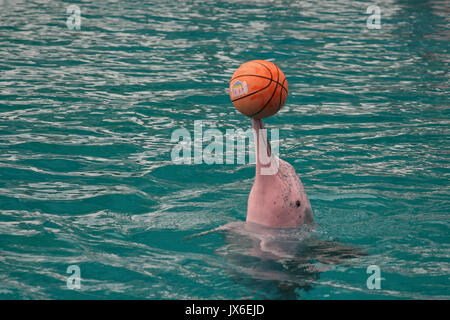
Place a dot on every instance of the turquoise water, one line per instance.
(86, 176)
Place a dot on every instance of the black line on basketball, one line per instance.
(271, 75)
(281, 95)
(273, 93)
(248, 95)
(258, 76)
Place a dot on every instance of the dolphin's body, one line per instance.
(277, 198)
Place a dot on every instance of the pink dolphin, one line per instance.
(277, 198)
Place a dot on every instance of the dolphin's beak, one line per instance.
(257, 125)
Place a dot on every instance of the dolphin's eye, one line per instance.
(297, 203)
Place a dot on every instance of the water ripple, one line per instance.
(86, 178)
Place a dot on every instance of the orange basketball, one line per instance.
(258, 89)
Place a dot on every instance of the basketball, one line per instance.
(258, 89)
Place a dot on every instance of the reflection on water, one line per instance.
(289, 259)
